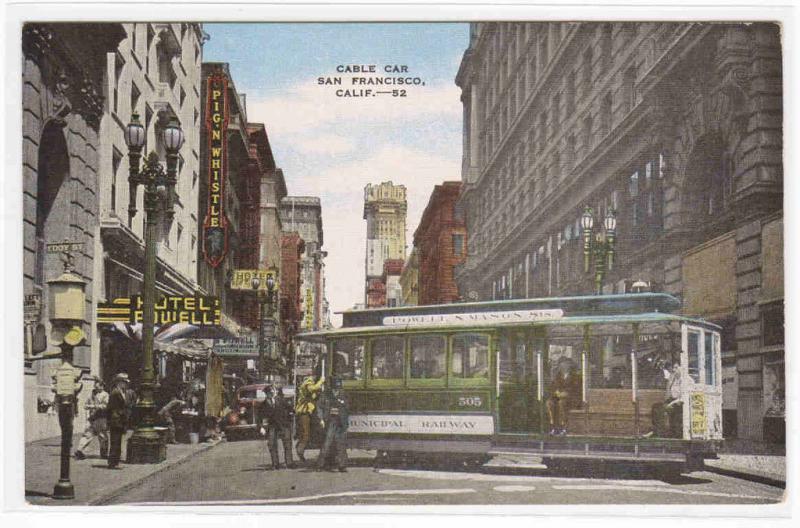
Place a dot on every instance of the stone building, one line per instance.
(678, 128)
(409, 279)
(440, 243)
(385, 212)
(155, 73)
(303, 214)
(62, 108)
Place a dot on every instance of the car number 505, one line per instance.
(470, 401)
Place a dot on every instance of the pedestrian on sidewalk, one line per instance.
(97, 424)
(335, 418)
(277, 413)
(306, 405)
(118, 418)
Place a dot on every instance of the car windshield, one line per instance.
(250, 394)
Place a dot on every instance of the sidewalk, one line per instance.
(759, 461)
(93, 481)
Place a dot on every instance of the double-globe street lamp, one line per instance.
(266, 322)
(145, 445)
(598, 242)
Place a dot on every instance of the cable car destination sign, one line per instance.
(475, 318)
(196, 310)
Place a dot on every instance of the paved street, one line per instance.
(234, 473)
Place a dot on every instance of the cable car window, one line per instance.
(710, 362)
(693, 350)
(656, 357)
(348, 359)
(470, 356)
(387, 358)
(427, 357)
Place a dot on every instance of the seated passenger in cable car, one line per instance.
(565, 394)
(668, 415)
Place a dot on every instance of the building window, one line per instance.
(135, 94)
(772, 324)
(607, 44)
(587, 133)
(119, 63)
(628, 88)
(605, 114)
(150, 35)
(458, 244)
(587, 70)
(116, 159)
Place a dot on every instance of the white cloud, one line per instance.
(310, 106)
(332, 147)
(327, 144)
(342, 190)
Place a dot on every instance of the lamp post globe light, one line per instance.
(146, 446)
(599, 243)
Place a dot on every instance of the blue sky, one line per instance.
(331, 146)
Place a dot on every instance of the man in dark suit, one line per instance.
(335, 419)
(277, 413)
(118, 416)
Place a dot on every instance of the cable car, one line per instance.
(604, 377)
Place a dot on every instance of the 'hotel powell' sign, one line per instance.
(195, 310)
(509, 316)
(215, 225)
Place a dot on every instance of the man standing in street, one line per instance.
(335, 417)
(118, 416)
(277, 412)
(97, 424)
(306, 398)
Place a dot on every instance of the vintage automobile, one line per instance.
(241, 422)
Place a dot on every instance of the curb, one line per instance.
(104, 499)
(752, 477)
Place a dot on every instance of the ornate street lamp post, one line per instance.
(266, 322)
(145, 444)
(598, 243)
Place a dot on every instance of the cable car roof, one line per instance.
(595, 309)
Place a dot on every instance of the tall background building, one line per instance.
(385, 209)
(675, 126)
(440, 245)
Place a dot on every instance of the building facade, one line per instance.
(154, 73)
(63, 105)
(678, 129)
(392, 268)
(303, 215)
(291, 287)
(440, 243)
(409, 279)
(385, 209)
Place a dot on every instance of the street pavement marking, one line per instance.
(443, 491)
(484, 477)
(512, 488)
(663, 490)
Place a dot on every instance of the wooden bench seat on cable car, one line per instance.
(612, 412)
